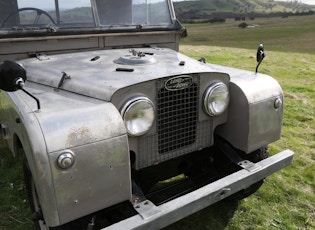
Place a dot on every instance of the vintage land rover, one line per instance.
(120, 131)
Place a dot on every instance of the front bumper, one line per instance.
(157, 217)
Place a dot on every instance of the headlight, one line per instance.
(216, 99)
(138, 116)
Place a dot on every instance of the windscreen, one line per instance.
(133, 12)
(38, 14)
(23, 14)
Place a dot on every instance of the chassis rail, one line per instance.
(157, 217)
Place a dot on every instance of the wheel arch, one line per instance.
(30, 142)
(17, 145)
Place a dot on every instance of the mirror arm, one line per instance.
(258, 65)
(20, 84)
(32, 96)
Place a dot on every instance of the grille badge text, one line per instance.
(178, 83)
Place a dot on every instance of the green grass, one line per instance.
(14, 209)
(209, 7)
(292, 34)
(286, 200)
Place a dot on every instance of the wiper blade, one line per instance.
(48, 28)
(113, 26)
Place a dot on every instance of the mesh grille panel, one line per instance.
(176, 118)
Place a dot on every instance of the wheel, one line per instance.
(235, 158)
(254, 157)
(36, 210)
(39, 12)
(37, 215)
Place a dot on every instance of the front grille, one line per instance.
(176, 118)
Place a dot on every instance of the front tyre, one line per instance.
(35, 206)
(37, 215)
(254, 157)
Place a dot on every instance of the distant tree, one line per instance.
(243, 25)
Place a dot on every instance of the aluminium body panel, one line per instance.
(92, 130)
(25, 129)
(253, 117)
(94, 73)
(99, 178)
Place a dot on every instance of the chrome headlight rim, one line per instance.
(220, 91)
(127, 109)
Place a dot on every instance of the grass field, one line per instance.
(292, 34)
(286, 200)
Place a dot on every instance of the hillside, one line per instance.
(229, 8)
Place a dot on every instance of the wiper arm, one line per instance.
(51, 28)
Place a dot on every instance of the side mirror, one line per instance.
(260, 55)
(12, 76)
